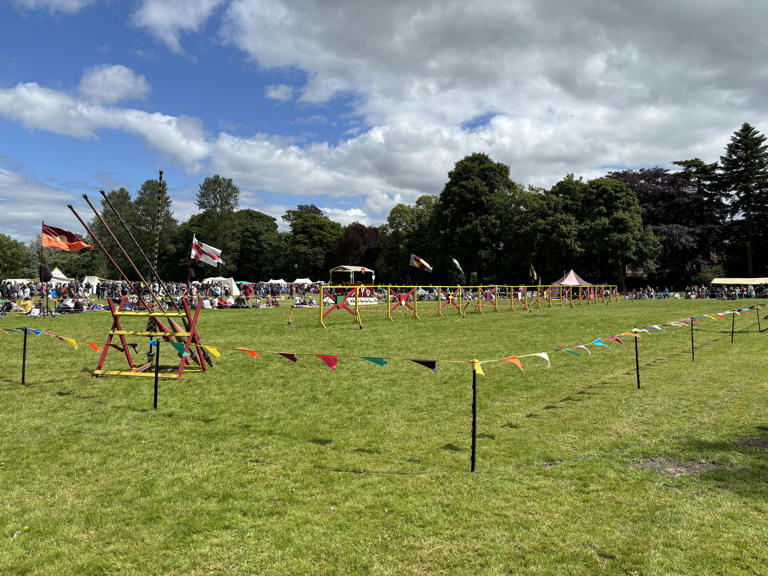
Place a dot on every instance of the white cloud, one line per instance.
(107, 84)
(282, 92)
(65, 6)
(25, 201)
(166, 20)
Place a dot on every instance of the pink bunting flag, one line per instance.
(330, 361)
(291, 357)
(616, 339)
(583, 348)
(251, 353)
(92, 345)
(515, 360)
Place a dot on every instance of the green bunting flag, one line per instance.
(379, 361)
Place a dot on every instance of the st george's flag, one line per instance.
(205, 253)
(420, 263)
(62, 239)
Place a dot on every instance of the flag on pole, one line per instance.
(457, 265)
(420, 263)
(532, 274)
(205, 253)
(61, 239)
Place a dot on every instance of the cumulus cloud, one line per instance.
(548, 88)
(282, 92)
(65, 6)
(19, 218)
(107, 84)
(166, 20)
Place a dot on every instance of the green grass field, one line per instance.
(264, 466)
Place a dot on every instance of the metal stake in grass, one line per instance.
(637, 363)
(24, 359)
(474, 417)
(693, 357)
(157, 370)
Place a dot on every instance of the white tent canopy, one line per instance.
(572, 279)
(280, 281)
(58, 277)
(740, 281)
(229, 282)
(302, 281)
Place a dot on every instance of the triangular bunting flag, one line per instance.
(477, 367)
(616, 339)
(583, 348)
(630, 334)
(180, 348)
(290, 357)
(545, 356)
(599, 342)
(213, 350)
(640, 330)
(515, 360)
(92, 345)
(34, 331)
(251, 353)
(330, 361)
(569, 351)
(379, 361)
(431, 364)
(3, 331)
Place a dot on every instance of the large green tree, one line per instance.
(13, 257)
(218, 198)
(261, 254)
(408, 230)
(471, 216)
(155, 226)
(744, 177)
(123, 204)
(611, 234)
(309, 248)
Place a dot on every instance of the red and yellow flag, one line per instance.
(61, 239)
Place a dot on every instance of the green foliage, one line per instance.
(218, 199)
(13, 257)
(124, 206)
(301, 210)
(470, 216)
(744, 177)
(261, 255)
(155, 225)
(408, 230)
(309, 248)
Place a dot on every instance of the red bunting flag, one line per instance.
(330, 361)
(291, 357)
(251, 353)
(92, 345)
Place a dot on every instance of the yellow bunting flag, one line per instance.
(477, 367)
(515, 360)
(213, 350)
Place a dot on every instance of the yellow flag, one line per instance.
(477, 367)
(213, 350)
(70, 341)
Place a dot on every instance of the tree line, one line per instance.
(665, 227)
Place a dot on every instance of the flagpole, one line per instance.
(42, 284)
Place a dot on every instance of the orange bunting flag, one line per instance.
(92, 345)
(291, 357)
(515, 360)
(330, 361)
(3, 331)
(251, 353)
(629, 334)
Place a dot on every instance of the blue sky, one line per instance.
(356, 106)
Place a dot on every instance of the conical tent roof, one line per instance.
(572, 279)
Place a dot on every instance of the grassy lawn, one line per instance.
(263, 466)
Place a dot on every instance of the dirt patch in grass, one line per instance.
(675, 468)
(760, 442)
